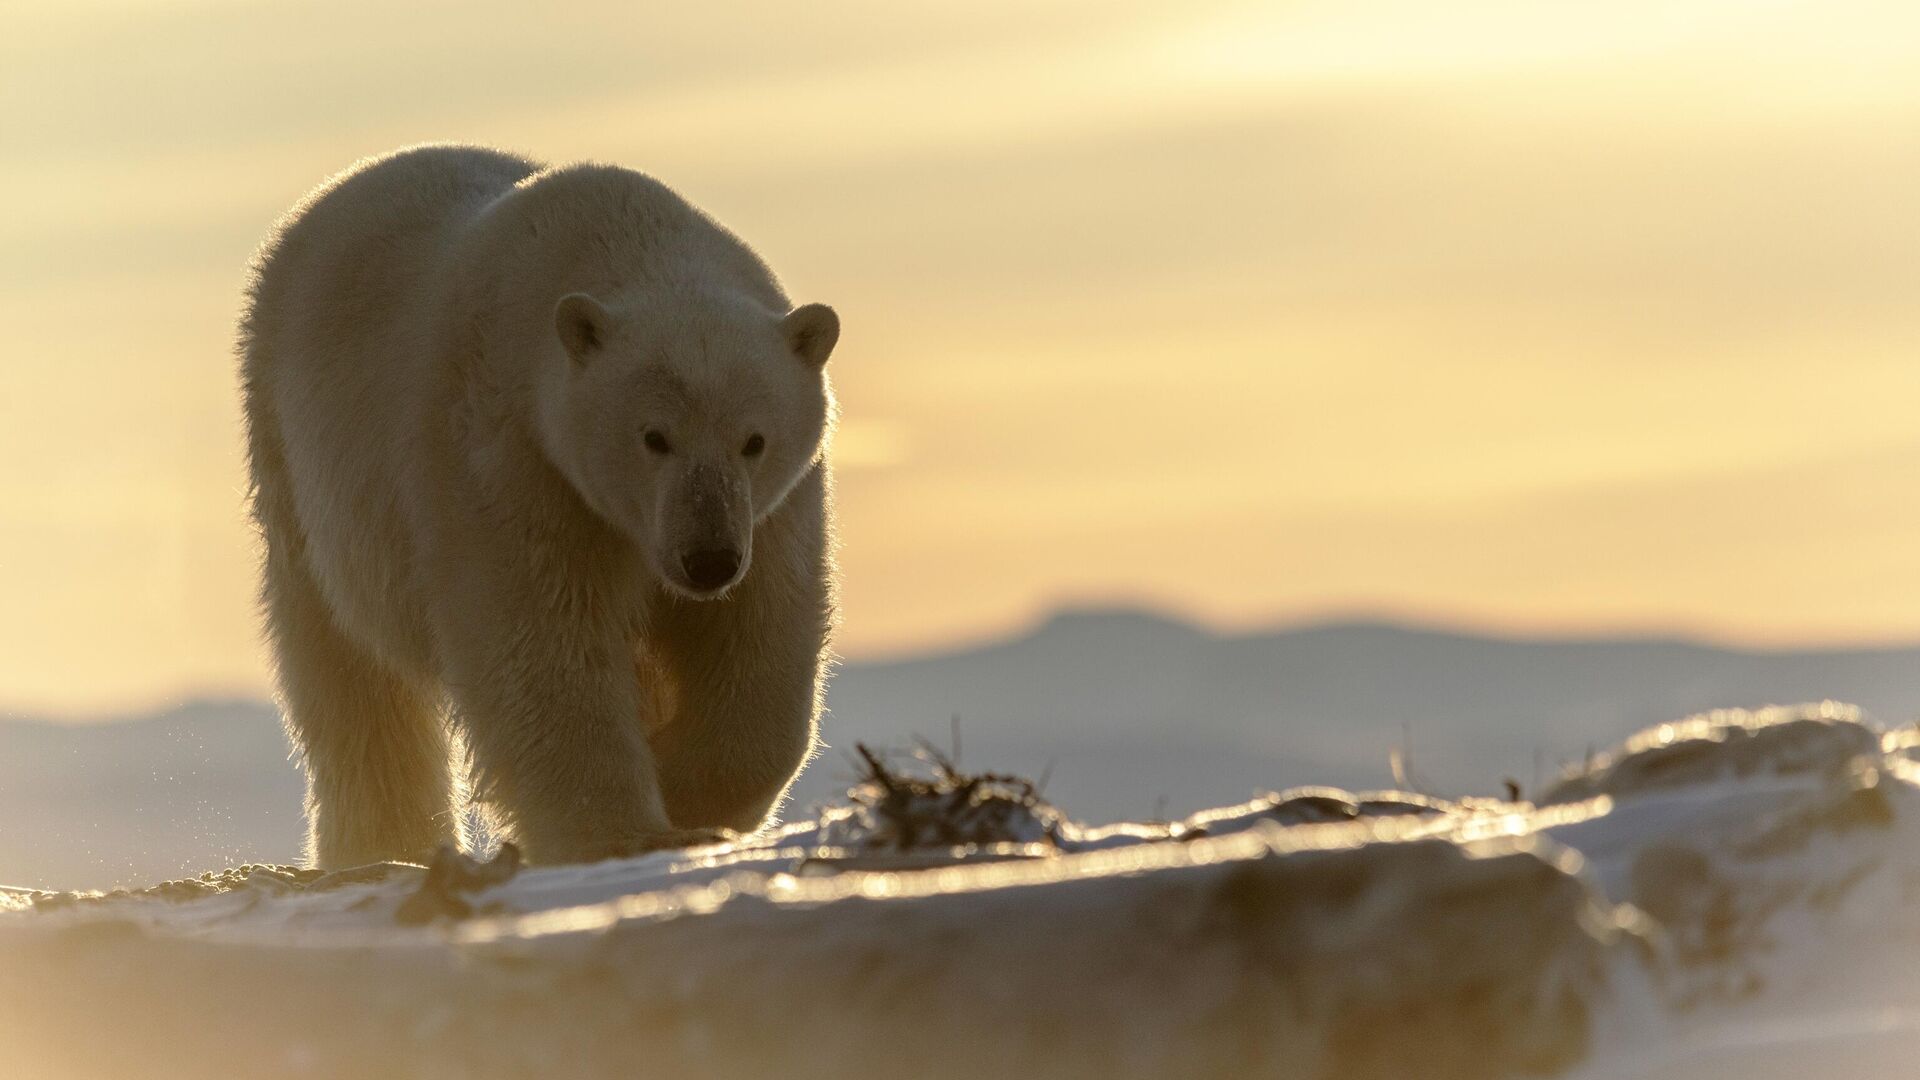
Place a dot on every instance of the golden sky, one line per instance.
(1532, 315)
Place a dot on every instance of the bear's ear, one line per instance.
(811, 331)
(582, 325)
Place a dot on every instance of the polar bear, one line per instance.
(539, 460)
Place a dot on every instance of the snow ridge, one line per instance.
(1732, 890)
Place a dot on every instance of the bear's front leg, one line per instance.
(547, 700)
(746, 676)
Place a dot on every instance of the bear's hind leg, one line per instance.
(379, 781)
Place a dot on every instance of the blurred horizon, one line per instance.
(1080, 624)
(1531, 319)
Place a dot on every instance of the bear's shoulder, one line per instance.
(592, 204)
(603, 228)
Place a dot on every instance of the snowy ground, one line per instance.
(1733, 895)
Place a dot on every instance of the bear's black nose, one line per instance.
(712, 568)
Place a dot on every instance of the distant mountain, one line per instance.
(1126, 713)
(1132, 708)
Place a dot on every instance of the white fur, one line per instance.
(452, 358)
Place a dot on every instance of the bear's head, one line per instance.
(684, 419)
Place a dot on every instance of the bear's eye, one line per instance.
(755, 444)
(656, 442)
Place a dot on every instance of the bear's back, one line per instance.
(336, 344)
(372, 224)
(346, 267)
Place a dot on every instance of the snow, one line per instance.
(1737, 894)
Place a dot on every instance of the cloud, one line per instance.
(1493, 307)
